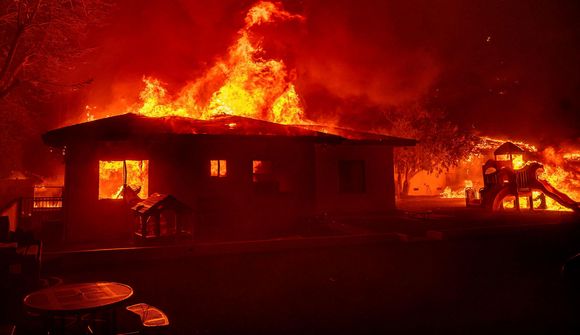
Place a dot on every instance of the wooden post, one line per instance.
(144, 220)
(157, 227)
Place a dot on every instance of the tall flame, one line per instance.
(244, 83)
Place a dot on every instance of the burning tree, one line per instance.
(42, 44)
(441, 144)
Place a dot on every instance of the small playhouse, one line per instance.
(161, 215)
(228, 177)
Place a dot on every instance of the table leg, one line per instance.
(112, 321)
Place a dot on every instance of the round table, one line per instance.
(79, 298)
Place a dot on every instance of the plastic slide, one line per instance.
(558, 196)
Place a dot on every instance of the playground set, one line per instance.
(512, 183)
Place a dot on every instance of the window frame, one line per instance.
(265, 182)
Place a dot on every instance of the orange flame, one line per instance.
(459, 194)
(562, 170)
(112, 177)
(244, 83)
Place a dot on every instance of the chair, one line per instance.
(153, 320)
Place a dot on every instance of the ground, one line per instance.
(473, 278)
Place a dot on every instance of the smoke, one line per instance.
(353, 52)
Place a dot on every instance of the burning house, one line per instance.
(240, 177)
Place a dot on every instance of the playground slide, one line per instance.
(558, 196)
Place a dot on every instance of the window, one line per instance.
(263, 177)
(261, 171)
(114, 175)
(218, 168)
(351, 176)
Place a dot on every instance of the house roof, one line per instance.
(508, 148)
(156, 202)
(357, 136)
(126, 126)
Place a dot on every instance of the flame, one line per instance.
(89, 110)
(111, 178)
(459, 194)
(218, 168)
(487, 143)
(244, 83)
(573, 156)
(518, 161)
(448, 193)
(47, 203)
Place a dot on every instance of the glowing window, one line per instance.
(114, 175)
(218, 168)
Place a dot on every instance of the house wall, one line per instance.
(232, 207)
(379, 195)
(229, 207)
(86, 217)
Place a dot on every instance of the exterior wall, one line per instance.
(379, 195)
(231, 207)
(227, 207)
(86, 217)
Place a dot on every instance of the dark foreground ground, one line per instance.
(504, 284)
(499, 282)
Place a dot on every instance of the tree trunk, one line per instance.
(406, 183)
(399, 183)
